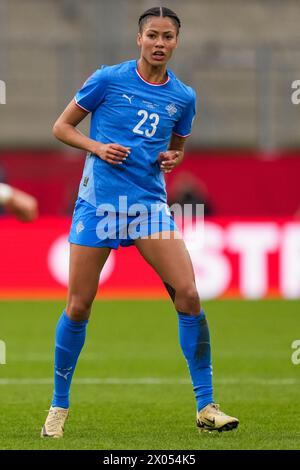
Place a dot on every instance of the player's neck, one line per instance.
(151, 73)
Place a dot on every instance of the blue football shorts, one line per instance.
(113, 229)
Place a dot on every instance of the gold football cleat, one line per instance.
(211, 418)
(55, 421)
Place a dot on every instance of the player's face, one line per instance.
(158, 40)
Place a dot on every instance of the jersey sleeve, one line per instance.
(92, 93)
(183, 126)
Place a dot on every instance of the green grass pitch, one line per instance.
(131, 388)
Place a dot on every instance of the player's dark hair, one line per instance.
(160, 12)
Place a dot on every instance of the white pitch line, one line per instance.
(150, 381)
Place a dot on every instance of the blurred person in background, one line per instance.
(22, 205)
(188, 189)
(141, 116)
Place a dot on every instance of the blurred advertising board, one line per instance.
(244, 258)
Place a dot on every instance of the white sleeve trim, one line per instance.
(179, 135)
(82, 107)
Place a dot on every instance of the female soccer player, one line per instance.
(141, 117)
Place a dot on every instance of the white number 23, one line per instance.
(152, 117)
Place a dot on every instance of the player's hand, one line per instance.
(114, 154)
(22, 205)
(169, 160)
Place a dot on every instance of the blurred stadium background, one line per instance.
(242, 161)
(243, 157)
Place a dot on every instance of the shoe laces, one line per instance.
(216, 406)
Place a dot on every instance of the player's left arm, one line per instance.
(174, 155)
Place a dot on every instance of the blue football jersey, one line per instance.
(128, 110)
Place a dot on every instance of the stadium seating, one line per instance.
(240, 56)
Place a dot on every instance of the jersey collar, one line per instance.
(151, 83)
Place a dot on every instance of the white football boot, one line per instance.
(55, 422)
(211, 418)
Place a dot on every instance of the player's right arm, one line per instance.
(65, 130)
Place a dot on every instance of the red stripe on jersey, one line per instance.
(179, 135)
(81, 107)
(151, 83)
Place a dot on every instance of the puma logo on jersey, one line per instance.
(129, 98)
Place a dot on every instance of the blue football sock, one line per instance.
(195, 344)
(69, 340)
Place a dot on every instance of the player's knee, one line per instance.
(78, 309)
(188, 301)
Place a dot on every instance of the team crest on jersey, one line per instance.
(171, 108)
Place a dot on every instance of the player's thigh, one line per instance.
(170, 259)
(85, 267)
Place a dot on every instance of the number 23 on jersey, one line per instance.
(150, 120)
